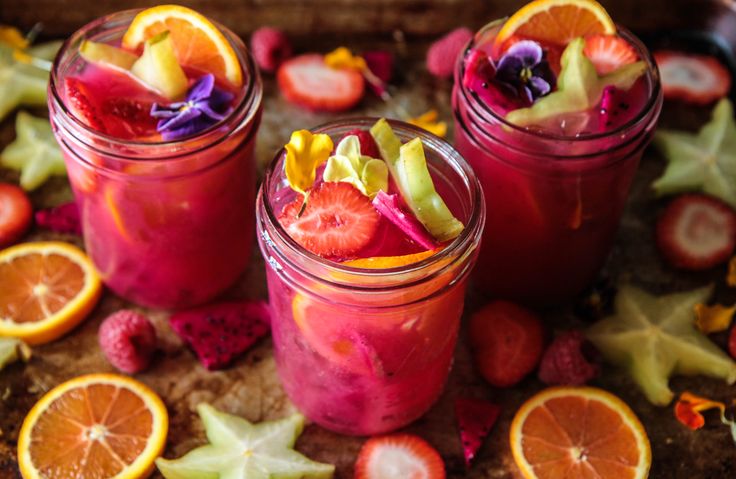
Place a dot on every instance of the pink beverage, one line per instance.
(555, 190)
(365, 351)
(168, 222)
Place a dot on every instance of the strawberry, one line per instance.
(398, 456)
(15, 214)
(126, 118)
(697, 79)
(78, 100)
(338, 220)
(697, 232)
(307, 81)
(609, 52)
(368, 145)
(507, 342)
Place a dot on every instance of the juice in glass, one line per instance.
(555, 188)
(167, 220)
(364, 349)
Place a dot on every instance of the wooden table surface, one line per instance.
(251, 388)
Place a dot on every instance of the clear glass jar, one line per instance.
(167, 224)
(363, 351)
(553, 202)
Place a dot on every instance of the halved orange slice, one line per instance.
(198, 43)
(385, 262)
(557, 22)
(46, 288)
(96, 426)
(579, 432)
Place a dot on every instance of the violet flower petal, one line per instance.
(529, 52)
(202, 89)
(508, 69)
(209, 112)
(184, 116)
(539, 86)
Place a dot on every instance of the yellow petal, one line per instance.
(428, 121)
(340, 169)
(12, 37)
(305, 152)
(712, 319)
(731, 278)
(343, 58)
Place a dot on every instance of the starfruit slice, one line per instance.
(159, 68)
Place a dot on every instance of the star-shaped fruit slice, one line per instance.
(705, 161)
(34, 152)
(22, 82)
(238, 449)
(579, 87)
(654, 337)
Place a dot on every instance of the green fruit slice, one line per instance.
(159, 68)
(238, 449)
(22, 83)
(105, 54)
(408, 167)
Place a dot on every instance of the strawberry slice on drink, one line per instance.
(609, 52)
(79, 101)
(697, 232)
(398, 456)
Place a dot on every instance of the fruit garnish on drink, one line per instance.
(159, 68)
(350, 165)
(398, 456)
(239, 449)
(654, 337)
(697, 79)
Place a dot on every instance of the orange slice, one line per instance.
(95, 426)
(579, 432)
(198, 43)
(557, 22)
(46, 289)
(385, 262)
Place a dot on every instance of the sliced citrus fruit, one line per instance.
(95, 426)
(46, 288)
(198, 43)
(385, 262)
(579, 432)
(557, 22)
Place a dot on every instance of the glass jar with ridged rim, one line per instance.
(366, 351)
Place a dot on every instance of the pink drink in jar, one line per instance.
(555, 191)
(365, 351)
(167, 222)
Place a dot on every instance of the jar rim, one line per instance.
(453, 251)
(249, 103)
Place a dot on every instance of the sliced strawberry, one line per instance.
(15, 214)
(507, 342)
(398, 456)
(697, 232)
(609, 52)
(368, 145)
(79, 102)
(126, 118)
(698, 79)
(307, 81)
(337, 222)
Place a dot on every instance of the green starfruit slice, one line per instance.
(159, 68)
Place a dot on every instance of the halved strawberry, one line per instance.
(697, 232)
(398, 456)
(698, 79)
(368, 145)
(307, 81)
(79, 102)
(609, 52)
(126, 118)
(15, 214)
(337, 222)
(507, 342)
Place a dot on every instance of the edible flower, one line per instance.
(348, 165)
(305, 152)
(524, 70)
(689, 407)
(731, 278)
(12, 37)
(204, 106)
(429, 121)
(342, 57)
(713, 319)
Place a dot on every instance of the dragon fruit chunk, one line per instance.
(219, 332)
(388, 206)
(612, 106)
(475, 418)
(60, 219)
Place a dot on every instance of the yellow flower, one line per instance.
(348, 165)
(713, 319)
(428, 121)
(12, 37)
(344, 58)
(305, 152)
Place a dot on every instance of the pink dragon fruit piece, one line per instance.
(388, 206)
(381, 64)
(220, 332)
(60, 219)
(475, 418)
(612, 105)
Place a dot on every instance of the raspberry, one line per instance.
(570, 360)
(270, 47)
(60, 219)
(368, 145)
(128, 340)
(443, 53)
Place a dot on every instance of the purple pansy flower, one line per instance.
(524, 70)
(204, 106)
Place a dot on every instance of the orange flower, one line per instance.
(689, 407)
(713, 319)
